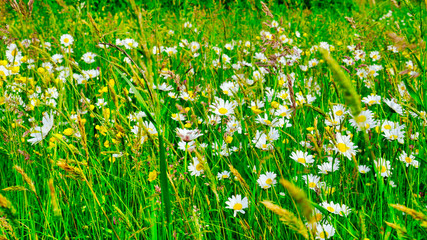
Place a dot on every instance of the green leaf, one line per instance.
(412, 92)
(163, 165)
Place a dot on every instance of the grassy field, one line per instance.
(237, 120)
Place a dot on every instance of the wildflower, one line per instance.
(129, 43)
(324, 231)
(311, 181)
(196, 167)
(89, 57)
(395, 134)
(187, 146)
(344, 146)
(372, 99)
(67, 40)
(194, 46)
(223, 175)
(375, 56)
(237, 204)
(383, 167)
(188, 135)
(408, 159)
(223, 108)
(302, 157)
(364, 121)
(267, 180)
(331, 166)
(363, 169)
(394, 105)
(152, 176)
(39, 133)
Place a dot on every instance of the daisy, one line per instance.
(375, 56)
(223, 175)
(67, 40)
(344, 146)
(130, 43)
(364, 121)
(383, 167)
(331, 166)
(372, 99)
(343, 210)
(194, 46)
(267, 180)
(260, 140)
(324, 231)
(164, 87)
(339, 110)
(39, 133)
(89, 57)
(196, 167)
(394, 105)
(408, 159)
(223, 108)
(187, 146)
(312, 181)
(302, 157)
(331, 207)
(395, 134)
(229, 88)
(364, 169)
(178, 117)
(57, 58)
(188, 135)
(149, 128)
(237, 204)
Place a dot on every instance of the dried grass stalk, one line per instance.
(15, 189)
(239, 177)
(351, 97)
(299, 196)
(26, 178)
(416, 215)
(288, 218)
(401, 231)
(266, 10)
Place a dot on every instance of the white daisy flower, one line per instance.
(237, 204)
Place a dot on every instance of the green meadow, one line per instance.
(192, 119)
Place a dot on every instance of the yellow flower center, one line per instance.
(339, 113)
(393, 137)
(199, 167)
(383, 169)
(342, 147)
(301, 160)
(264, 146)
(225, 92)
(408, 159)
(14, 52)
(223, 111)
(225, 176)
(312, 185)
(371, 102)
(268, 122)
(361, 118)
(66, 40)
(323, 235)
(269, 181)
(330, 209)
(388, 127)
(237, 206)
